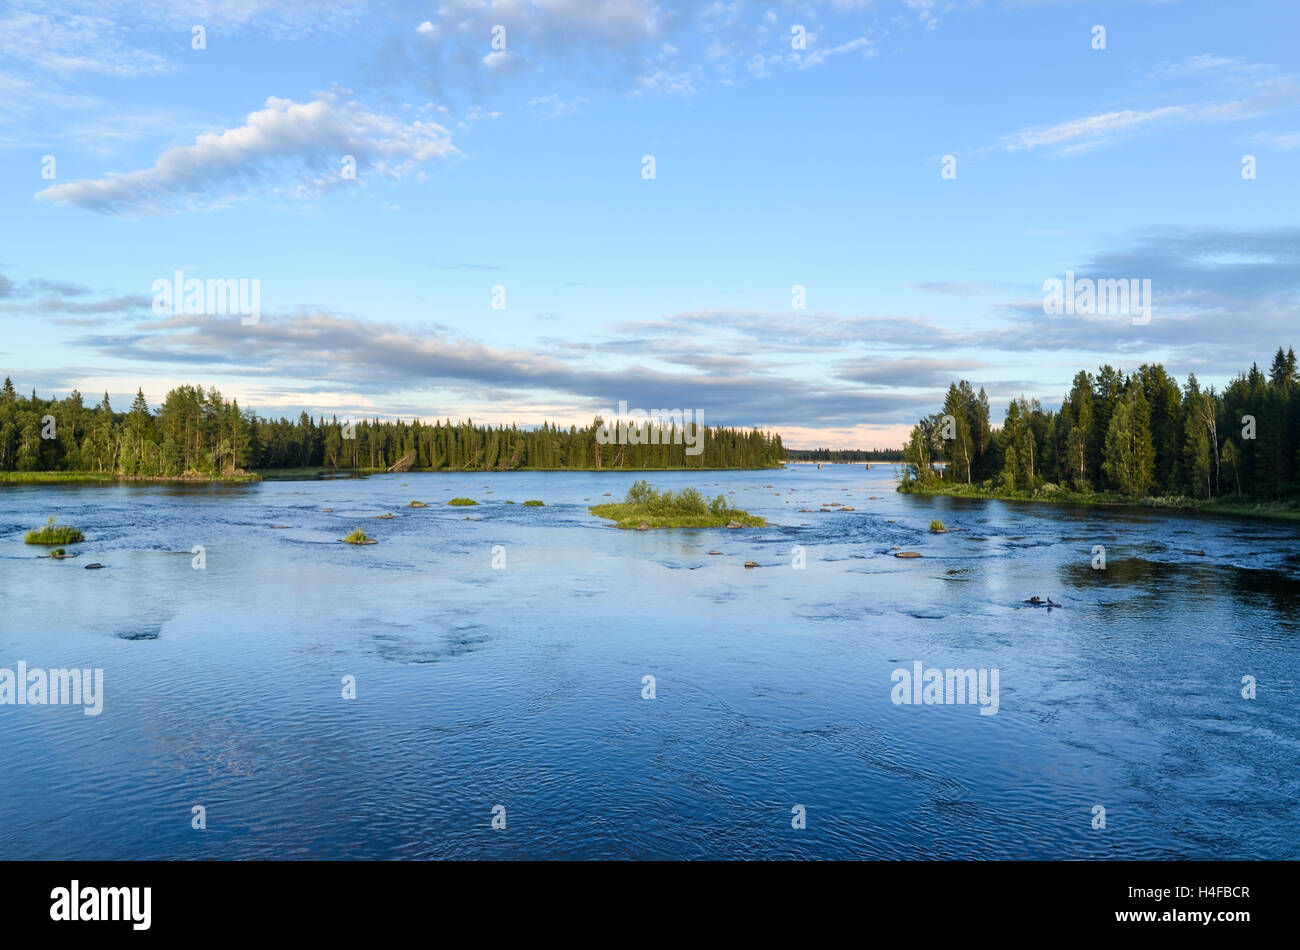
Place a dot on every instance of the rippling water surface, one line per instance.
(522, 687)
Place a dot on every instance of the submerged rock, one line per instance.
(93, 567)
(751, 564)
(715, 552)
(1037, 601)
(906, 554)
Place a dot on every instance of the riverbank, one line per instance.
(316, 472)
(55, 478)
(308, 473)
(1061, 496)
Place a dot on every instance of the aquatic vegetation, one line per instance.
(936, 527)
(417, 504)
(54, 534)
(646, 507)
(357, 536)
(534, 503)
(461, 502)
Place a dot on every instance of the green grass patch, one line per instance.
(50, 478)
(936, 527)
(54, 534)
(684, 509)
(462, 502)
(534, 503)
(357, 536)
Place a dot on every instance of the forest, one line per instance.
(198, 433)
(1138, 436)
(844, 455)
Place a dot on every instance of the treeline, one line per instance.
(844, 455)
(202, 433)
(1138, 435)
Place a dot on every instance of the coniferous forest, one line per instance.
(1140, 435)
(202, 434)
(844, 455)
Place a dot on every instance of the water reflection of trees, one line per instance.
(1274, 590)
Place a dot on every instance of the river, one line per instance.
(523, 685)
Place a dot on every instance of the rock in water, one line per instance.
(906, 554)
(93, 567)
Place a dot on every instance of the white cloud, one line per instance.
(818, 57)
(1264, 97)
(1090, 131)
(305, 142)
(1281, 141)
(72, 44)
(555, 106)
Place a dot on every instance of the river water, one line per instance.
(522, 686)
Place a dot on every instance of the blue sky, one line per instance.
(521, 168)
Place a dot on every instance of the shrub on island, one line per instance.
(54, 534)
(687, 508)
